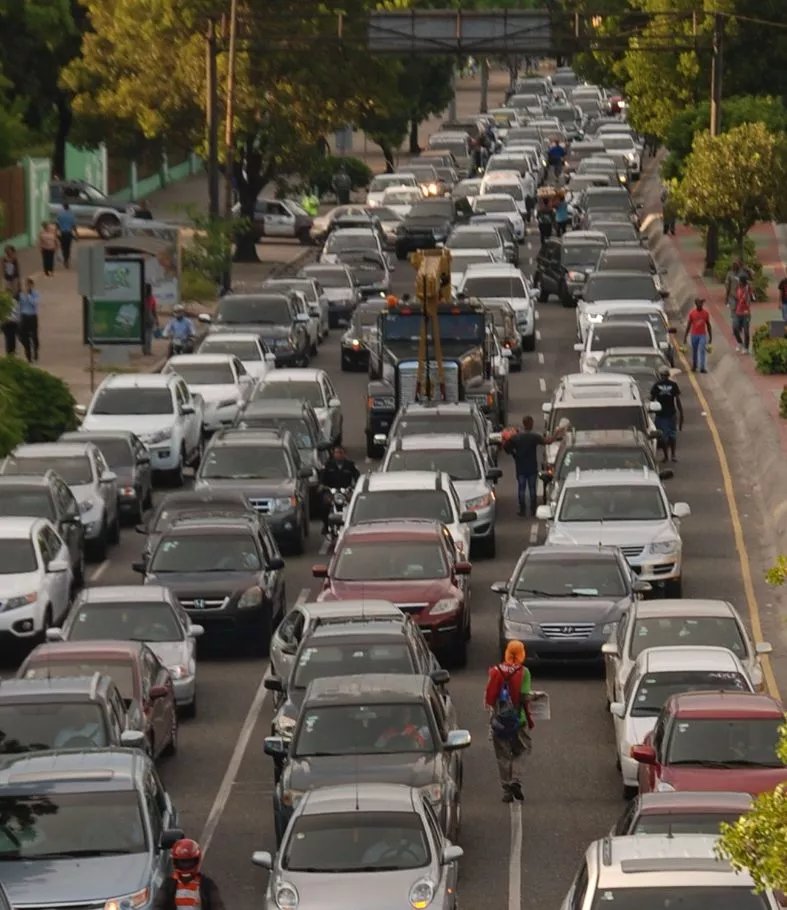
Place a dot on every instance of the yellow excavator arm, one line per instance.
(432, 288)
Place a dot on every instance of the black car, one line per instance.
(265, 466)
(463, 417)
(48, 496)
(355, 341)
(504, 322)
(563, 266)
(620, 285)
(428, 223)
(620, 233)
(338, 286)
(227, 574)
(371, 271)
(129, 458)
(630, 259)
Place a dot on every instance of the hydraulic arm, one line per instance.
(432, 288)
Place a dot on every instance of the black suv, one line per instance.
(274, 315)
(226, 572)
(563, 266)
(47, 496)
(265, 466)
(428, 223)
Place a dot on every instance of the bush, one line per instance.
(12, 430)
(783, 403)
(771, 356)
(760, 334)
(324, 170)
(42, 403)
(197, 287)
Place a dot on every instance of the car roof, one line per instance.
(53, 449)
(71, 650)
(649, 861)
(725, 704)
(375, 687)
(254, 436)
(139, 380)
(436, 442)
(26, 480)
(622, 477)
(561, 553)
(72, 770)
(350, 609)
(92, 435)
(357, 632)
(293, 375)
(110, 594)
(224, 337)
(700, 801)
(599, 190)
(196, 527)
(405, 480)
(206, 359)
(670, 658)
(359, 797)
(695, 607)
(12, 528)
(277, 406)
(594, 438)
(54, 688)
(409, 529)
(622, 274)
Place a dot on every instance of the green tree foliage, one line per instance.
(34, 404)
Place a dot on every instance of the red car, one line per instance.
(414, 564)
(724, 741)
(687, 812)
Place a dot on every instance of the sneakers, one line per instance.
(508, 796)
(515, 790)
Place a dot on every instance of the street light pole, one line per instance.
(712, 236)
(212, 117)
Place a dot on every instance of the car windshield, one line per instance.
(47, 666)
(118, 453)
(133, 621)
(621, 336)
(295, 425)
(195, 373)
(725, 741)
(243, 350)
(642, 366)
(599, 458)
(577, 577)
(495, 286)
(611, 198)
(366, 269)
(402, 196)
(459, 464)
(394, 560)
(26, 504)
(619, 233)
(683, 822)
(134, 401)
(618, 143)
(655, 688)
(342, 241)
(245, 462)
(358, 729)
(603, 286)
(673, 631)
(382, 181)
(432, 209)
(74, 469)
(423, 173)
(382, 504)
(602, 418)
(629, 261)
(462, 259)
(319, 661)
(295, 389)
(613, 503)
(564, 115)
(679, 897)
(174, 512)
(357, 842)
(220, 552)
(251, 311)
(51, 725)
(331, 278)
(17, 557)
(474, 240)
(581, 255)
(39, 827)
(512, 190)
(485, 204)
(654, 320)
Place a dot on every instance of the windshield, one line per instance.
(603, 286)
(354, 729)
(367, 269)
(195, 373)
(295, 425)
(626, 261)
(382, 181)
(248, 311)
(43, 826)
(292, 389)
(654, 320)
(118, 453)
(621, 336)
(133, 401)
(432, 209)
(26, 504)
(53, 725)
(655, 688)
(620, 232)
(208, 509)
(357, 842)
(133, 621)
(724, 741)
(402, 196)
(598, 458)
(429, 423)
(222, 552)
(512, 190)
(619, 143)
(614, 503)
(584, 255)
(245, 462)
(17, 557)
(474, 240)
(684, 822)
(581, 577)
(433, 505)
(331, 278)
(467, 328)
(341, 241)
(495, 286)
(389, 561)
(243, 350)
(321, 661)
(602, 418)
(612, 198)
(668, 631)
(485, 204)
(74, 469)
(678, 897)
(460, 464)
(637, 365)
(48, 666)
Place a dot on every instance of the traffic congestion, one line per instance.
(404, 572)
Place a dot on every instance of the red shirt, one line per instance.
(150, 303)
(743, 301)
(699, 320)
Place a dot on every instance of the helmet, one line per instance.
(186, 857)
(391, 300)
(664, 371)
(508, 434)
(179, 309)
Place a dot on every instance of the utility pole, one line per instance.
(717, 64)
(212, 117)
(484, 85)
(229, 134)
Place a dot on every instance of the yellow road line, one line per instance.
(740, 545)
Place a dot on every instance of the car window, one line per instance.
(153, 809)
(52, 544)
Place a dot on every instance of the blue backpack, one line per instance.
(506, 722)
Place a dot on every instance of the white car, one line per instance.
(477, 237)
(248, 347)
(623, 148)
(589, 314)
(461, 260)
(679, 624)
(626, 509)
(160, 409)
(401, 199)
(314, 386)
(507, 184)
(467, 189)
(35, 575)
(605, 335)
(220, 380)
(503, 281)
(377, 188)
(500, 202)
(345, 239)
(658, 674)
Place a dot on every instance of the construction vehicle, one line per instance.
(429, 349)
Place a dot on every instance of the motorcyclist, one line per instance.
(338, 473)
(180, 329)
(188, 888)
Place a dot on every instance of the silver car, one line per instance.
(339, 835)
(314, 386)
(474, 478)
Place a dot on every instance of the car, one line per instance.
(671, 812)
(82, 712)
(662, 871)
(277, 218)
(226, 573)
(304, 314)
(148, 613)
(457, 143)
(339, 289)
(400, 199)
(644, 365)
(425, 174)
(94, 486)
(631, 259)
(579, 182)
(622, 235)
(47, 496)
(91, 208)
(462, 259)
(505, 282)
(371, 272)
(570, 118)
(355, 239)
(658, 674)
(622, 148)
(477, 237)
(620, 285)
(328, 841)
(390, 219)
(359, 718)
(502, 225)
(323, 224)
(416, 565)
(504, 320)
(128, 458)
(563, 603)
(313, 386)
(563, 266)
(625, 508)
(651, 313)
(473, 477)
(278, 317)
(266, 467)
(602, 336)
(382, 183)
(356, 341)
(248, 347)
(599, 162)
(684, 623)
(106, 837)
(431, 417)
(468, 189)
(143, 681)
(159, 409)
(496, 200)
(610, 199)
(316, 301)
(428, 223)
(721, 741)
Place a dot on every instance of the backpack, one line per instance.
(743, 297)
(506, 721)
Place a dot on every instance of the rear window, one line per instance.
(603, 286)
(602, 418)
(621, 336)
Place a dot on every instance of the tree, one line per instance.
(733, 180)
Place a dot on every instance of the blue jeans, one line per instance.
(526, 484)
(698, 345)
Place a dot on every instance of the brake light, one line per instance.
(369, 403)
(406, 311)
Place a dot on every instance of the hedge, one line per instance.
(770, 356)
(37, 406)
(783, 403)
(325, 169)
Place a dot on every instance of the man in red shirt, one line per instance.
(699, 327)
(741, 323)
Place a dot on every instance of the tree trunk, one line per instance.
(388, 154)
(740, 243)
(257, 175)
(64, 119)
(415, 148)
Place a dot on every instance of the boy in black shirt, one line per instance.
(670, 418)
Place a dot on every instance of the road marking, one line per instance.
(515, 859)
(536, 314)
(538, 335)
(542, 384)
(540, 357)
(324, 546)
(737, 527)
(533, 533)
(96, 574)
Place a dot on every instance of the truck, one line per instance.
(430, 348)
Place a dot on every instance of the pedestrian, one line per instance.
(530, 195)
(11, 327)
(783, 298)
(741, 324)
(47, 244)
(545, 216)
(555, 158)
(731, 280)
(29, 302)
(669, 213)
(670, 418)
(12, 276)
(66, 224)
(699, 327)
(523, 448)
(342, 185)
(151, 320)
(507, 701)
(563, 214)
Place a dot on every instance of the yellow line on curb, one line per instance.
(740, 546)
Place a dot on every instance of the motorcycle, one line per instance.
(181, 346)
(340, 499)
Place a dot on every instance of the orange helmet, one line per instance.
(391, 300)
(186, 857)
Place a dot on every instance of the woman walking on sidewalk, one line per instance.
(28, 320)
(698, 326)
(12, 276)
(47, 244)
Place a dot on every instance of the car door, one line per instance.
(619, 723)
(270, 577)
(284, 642)
(160, 720)
(58, 583)
(81, 205)
(69, 523)
(278, 221)
(334, 407)
(107, 490)
(191, 423)
(613, 662)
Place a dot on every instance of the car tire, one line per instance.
(674, 588)
(113, 534)
(528, 344)
(48, 622)
(107, 227)
(172, 745)
(79, 569)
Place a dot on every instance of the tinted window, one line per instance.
(621, 336)
(460, 260)
(295, 389)
(365, 561)
(56, 725)
(679, 898)
(341, 241)
(602, 418)
(668, 631)
(431, 504)
(319, 661)
(243, 350)
(655, 688)
(608, 199)
(489, 286)
(331, 278)
(245, 462)
(728, 741)
(603, 286)
(74, 469)
(218, 553)
(174, 512)
(635, 261)
(117, 452)
(360, 729)
(295, 425)
(683, 822)
(17, 557)
(133, 401)
(619, 233)
(577, 577)
(26, 503)
(485, 204)
(581, 255)
(613, 503)
(196, 373)
(459, 464)
(597, 458)
(154, 622)
(121, 672)
(474, 240)
(265, 311)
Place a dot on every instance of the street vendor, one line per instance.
(556, 156)
(545, 213)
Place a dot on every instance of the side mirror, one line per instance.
(141, 529)
(54, 634)
(274, 746)
(664, 292)
(157, 692)
(499, 587)
(80, 410)
(170, 837)
(275, 564)
(681, 510)
(440, 677)
(139, 567)
(666, 474)
(494, 474)
(204, 319)
(274, 684)
(457, 739)
(617, 709)
(334, 403)
(56, 566)
(196, 631)
(187, 409)
(609, 648)
(545, 513)
(143, 460)
(451, 854)
(132, 739)
(507, 355)
(305, 473)
(579, 347)
(320, 571)
(262, 858)
(645, 755)
(109, 477)
(640, 587)
(468, 517)
(269, 357)
(463, 568)
(763, 647)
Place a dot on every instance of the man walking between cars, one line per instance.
(670, 418)
(699, 327)
(342, 185)
(523, 448)
(507, 701)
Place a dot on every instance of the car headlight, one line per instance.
(286, 896)
(128, 901)
(158, 436)
(608, 628)
(284, 504)
(291, 798)
(632, 157)
(432, 189)
(284, 726)
(179, 672)
(527, 627)
(87, 506)
(480, 502)
(354, 343)
(22, 600)
(421, 894)
(444, 606)
(384, 403)
(250, 598)
(576, 276)
(664, 547)
(663, 787)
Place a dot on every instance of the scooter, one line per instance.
(181, 346)
(340, 499)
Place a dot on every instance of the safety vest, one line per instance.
(187, 894)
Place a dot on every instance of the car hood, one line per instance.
(19, 585)
(337, 891)
(611, 534)
(143, 425)
(213, 394)
(79, 881)
(726, 780)
(191, 585)
(396, 590)
(567, 610)
(170, 653)
(409, 768)
(401, 210)
(471, 489)
(251, 487)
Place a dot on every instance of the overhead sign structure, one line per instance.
(115, 316)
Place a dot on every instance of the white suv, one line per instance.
(504, 281)
(603, 336)
(625, 509)
(159, 409)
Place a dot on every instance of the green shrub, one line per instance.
(783, 403)
(41, 402)
(771, 356)
(324, 170)
(12, 430)
(196, 286)
(761, 334)
(6, 305)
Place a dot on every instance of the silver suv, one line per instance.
(91, 208)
